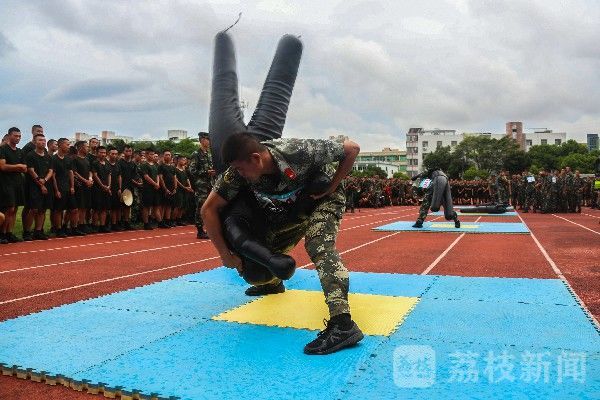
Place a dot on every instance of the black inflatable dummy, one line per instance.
(438, 195)
(441, 194)
(243, 220)
(489, 208)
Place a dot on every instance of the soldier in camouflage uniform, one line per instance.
(528, 191)
(502, 188)
(202, 173)
(516, 191)
(578, 186)
(275, 173)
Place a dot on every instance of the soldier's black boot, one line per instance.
(340, 332)
(263, 290)
(456, 223)
(236, 232)
(201, 234)
(418, 224)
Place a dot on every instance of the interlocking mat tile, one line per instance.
(467, 227)
(199, 337)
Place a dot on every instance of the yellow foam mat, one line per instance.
(451, 225)
(303, 309)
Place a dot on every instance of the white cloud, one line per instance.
(370, 69)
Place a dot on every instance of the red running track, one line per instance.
(36, 276)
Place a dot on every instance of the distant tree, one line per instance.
(486, 153)
(119, 144)
(186, 147)
(571, 147)
(401, 175)
(370, 171)
(516, 161)
(545, 156)
(143, 145)
(440, 158)
(583, 162)
(474, 173)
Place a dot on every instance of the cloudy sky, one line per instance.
(370, 69)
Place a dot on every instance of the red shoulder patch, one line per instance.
(290, 173)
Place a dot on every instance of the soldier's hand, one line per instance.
(232, 261)
(58, 195)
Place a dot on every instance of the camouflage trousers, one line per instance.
(528, 199)
(136, 216)
(502, 196)
(425, 205)
(319, 230)
(200, 196)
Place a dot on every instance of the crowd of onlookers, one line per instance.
(88, 188)
(554, 191)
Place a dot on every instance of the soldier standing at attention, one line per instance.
(168, 183)
(276, 171)
(12, 168)
(202, 173)
(528, 191)
(39, 169)
(503, 188)
(578, 185)
(131, 181)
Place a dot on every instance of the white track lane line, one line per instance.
(101, 257)
(166, 268)
(105, 280)
(94, 244)
(357, 247)
(590, 215)
(437, 260)
(377, 222)
(352, 217)
(575, 223)
(560, 275)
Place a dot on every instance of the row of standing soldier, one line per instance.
(556, 191)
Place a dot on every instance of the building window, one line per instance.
(544, 141)
(439, 144)
(453, 143)
(529, 142)
(425, 143)
(557, 141)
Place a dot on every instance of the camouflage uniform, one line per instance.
(426, 204)
(502, 187)
(578, 187)
(297, 160)
(571, 192)
(528, 192)
(199, 166)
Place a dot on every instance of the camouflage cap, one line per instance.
(203, 135)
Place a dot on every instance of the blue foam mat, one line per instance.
(159, 338)
(422, 369)
(221, 360)
(480, 227)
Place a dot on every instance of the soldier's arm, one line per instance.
(210, 216)
(351, 150)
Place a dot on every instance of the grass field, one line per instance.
(19, 223)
